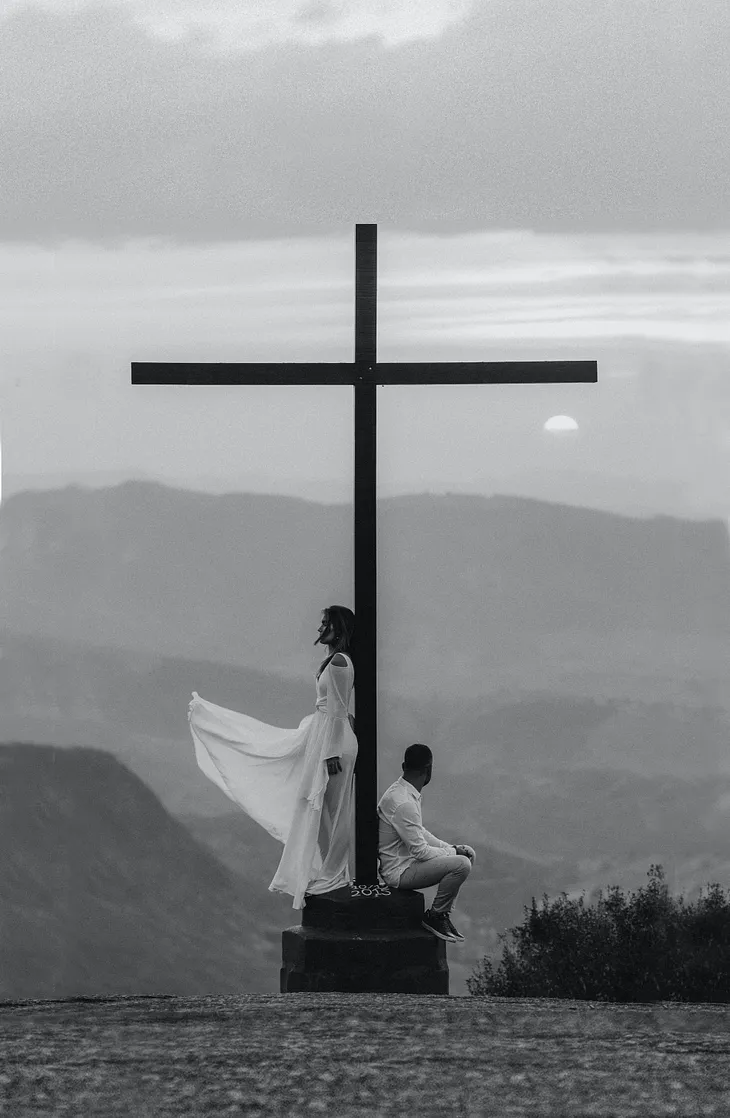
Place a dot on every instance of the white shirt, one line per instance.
(403, 840)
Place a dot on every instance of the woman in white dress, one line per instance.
(298, 784)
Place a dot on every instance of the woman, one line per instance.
(298, 784)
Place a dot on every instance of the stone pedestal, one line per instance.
(364, 939)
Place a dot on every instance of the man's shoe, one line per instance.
(456, 934)
(438, 924)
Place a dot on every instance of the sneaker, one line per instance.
(456, 934)
(438, 924)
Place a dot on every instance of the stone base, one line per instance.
(354, 941)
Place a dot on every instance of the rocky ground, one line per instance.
(343, 1055)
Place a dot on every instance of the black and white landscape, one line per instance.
(180, 182)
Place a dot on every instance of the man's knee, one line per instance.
(464, 865)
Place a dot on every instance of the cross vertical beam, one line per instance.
(365, 512)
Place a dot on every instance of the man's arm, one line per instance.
(433, 841)
(447, 847)
(411, 832)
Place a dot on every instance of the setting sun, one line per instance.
(560, 423)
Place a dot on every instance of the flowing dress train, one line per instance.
(279, 778)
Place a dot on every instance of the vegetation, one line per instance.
(647, 947)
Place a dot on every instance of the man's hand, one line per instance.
(467, 851)
(333, 766)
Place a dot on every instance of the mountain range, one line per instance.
(511, 778)
(474, 593)
(567, 666)
(624, 494)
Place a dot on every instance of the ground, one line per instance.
(371, 1055)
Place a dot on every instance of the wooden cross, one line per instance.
(365, 373)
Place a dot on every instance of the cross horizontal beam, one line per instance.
(380, 372)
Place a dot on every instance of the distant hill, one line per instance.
(474, 592)
(579, 831)
(135, 706)
(102, 892)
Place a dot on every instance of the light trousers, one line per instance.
(449, 873)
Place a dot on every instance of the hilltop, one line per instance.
(358, 1055)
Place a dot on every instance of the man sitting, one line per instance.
(410, 856)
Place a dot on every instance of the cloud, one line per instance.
(244, 25)
(452, 297)
(568, 116)
(72, 318)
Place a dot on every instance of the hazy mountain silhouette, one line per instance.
(102, 892)
(558, 774)
(473, 591)
(135, 706)
(567, 666)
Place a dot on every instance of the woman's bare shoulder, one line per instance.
(339, 660)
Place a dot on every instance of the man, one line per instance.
(410, 856)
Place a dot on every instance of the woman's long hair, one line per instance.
(342, 621)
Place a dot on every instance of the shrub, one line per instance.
(647, 947)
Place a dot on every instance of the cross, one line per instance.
(364, 374)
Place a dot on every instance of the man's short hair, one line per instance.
(417, 758)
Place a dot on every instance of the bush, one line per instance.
(647, 947)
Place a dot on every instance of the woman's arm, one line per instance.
(338, 681)
(340, 662)
(338, 694)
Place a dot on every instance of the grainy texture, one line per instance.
(362, 1054)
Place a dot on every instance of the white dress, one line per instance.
(279, 777)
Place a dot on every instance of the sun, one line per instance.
(560, 423)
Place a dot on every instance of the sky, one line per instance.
(182, 179)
